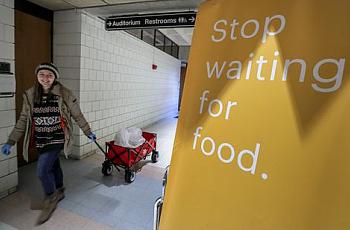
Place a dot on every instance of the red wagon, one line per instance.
(126, 158)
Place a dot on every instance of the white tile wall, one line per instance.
(8, 3)
(7, 104)
(7, 15)
(7, 49)
(116, 86)
(4, 168)
(8, 164)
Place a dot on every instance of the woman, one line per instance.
(46, 122)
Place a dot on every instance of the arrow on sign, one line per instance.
(192, 19)
(109, 23)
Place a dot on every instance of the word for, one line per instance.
(233, 70)
(212, 104)
(208, 141)
(222, 28)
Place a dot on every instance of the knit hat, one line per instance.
(48, 66)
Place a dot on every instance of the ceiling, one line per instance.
(106, 8)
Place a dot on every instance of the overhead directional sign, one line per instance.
(163, 20)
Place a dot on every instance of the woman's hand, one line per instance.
(6, 149)
(92, 137)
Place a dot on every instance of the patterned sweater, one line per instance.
(48, 131)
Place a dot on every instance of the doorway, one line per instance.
(33, 45)
(182, 82)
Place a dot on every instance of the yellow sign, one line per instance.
(263, 139)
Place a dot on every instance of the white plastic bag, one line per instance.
(129, 137)
(121, 138)
(135, 137)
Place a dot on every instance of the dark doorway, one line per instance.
(182, 82)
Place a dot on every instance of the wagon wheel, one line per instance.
(155, 155)
(107, 168)
(129, 176)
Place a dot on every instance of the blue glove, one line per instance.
(6, 149)
(92, 137)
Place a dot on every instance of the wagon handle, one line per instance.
(99, 146)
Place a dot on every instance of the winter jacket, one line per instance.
(69, 107)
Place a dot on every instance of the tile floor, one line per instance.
(92, 200)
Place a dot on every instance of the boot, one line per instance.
(60, 194)
(50, 205)
(39, 204)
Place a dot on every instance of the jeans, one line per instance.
(49, 171)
